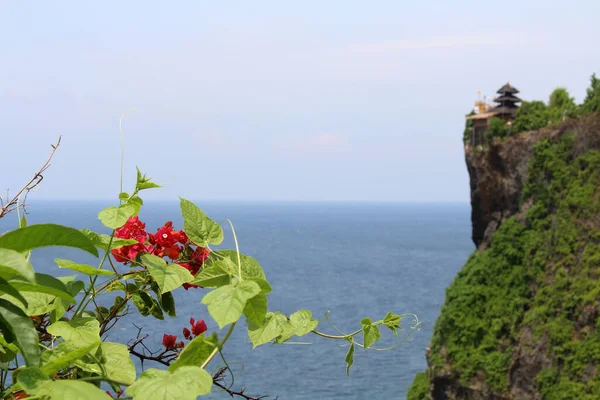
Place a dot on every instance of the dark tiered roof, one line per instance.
(507, 89)
(507, 97)
(507, 101)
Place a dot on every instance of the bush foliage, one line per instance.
(53, 330)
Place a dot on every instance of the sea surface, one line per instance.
(354, 260)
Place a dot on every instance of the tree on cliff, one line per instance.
(592, 99)
(561, 105)
(531, 115)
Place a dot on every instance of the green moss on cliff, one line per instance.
(541, 270)
(419, 389)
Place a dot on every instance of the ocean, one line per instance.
(354, 260)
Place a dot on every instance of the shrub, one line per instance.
(531, 115)
(592, 99)
(496, 128)
(561, 105)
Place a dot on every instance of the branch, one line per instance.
(218, 377)
(13, 204)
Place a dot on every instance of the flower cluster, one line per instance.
(170, 342)
(166, 242)
(197, 328)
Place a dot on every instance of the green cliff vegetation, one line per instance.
(540, 274)
(536, 114)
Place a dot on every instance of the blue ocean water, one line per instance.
(355, 260)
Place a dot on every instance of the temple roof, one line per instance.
(507, 89)
(507, 97)
(485, 115)
(503, 110)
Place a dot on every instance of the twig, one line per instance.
(13, 203)
(218, 378)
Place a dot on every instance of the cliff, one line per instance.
(520, 320)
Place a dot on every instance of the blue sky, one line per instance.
(269, 100)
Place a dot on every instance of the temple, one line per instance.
(505, 108)
(507, 102)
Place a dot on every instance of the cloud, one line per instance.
(441, 42)
(329, 142)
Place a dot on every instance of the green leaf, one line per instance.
(226, 304)
(167, 302)
(212, 276)
(60, 308)
(8, 350)
(349, 358)
(116, 363)
(147, 305)
(13, 263)
(115, 217)
(392, 321)
(256, 309)
(196, 352)
(185, 383)
(23, 222)
(35, 382)
(31, 378)
(21, 328)
(83, 268)
(272, 327)
(200, 229)
(143, 182)
(37, 303)
(137, 202)
(102, 241)
(123, 196)
(370, 332)
(287, 332)
(303, 322)
(168, 277)
(85, 331)
(250, 267)
(46, 284)
(265, 287)
(114, 286)
(147, 185)
(44, 235)
(63, 355)
(5, 287)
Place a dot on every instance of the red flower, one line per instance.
(187, 334)
(164, 236)
(200, 255)
(187, 286)
(180, 237)
(172, 252)
(165, 240)
(169, 341)
(133, 229)
(199, 327)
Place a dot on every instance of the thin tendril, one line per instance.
(237, 249)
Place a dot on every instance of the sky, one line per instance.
(271, 100)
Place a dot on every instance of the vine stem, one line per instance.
(85, 302)
(237, 249)
(219, 346)
(337, 336)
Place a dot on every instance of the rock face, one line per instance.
(520, 320)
